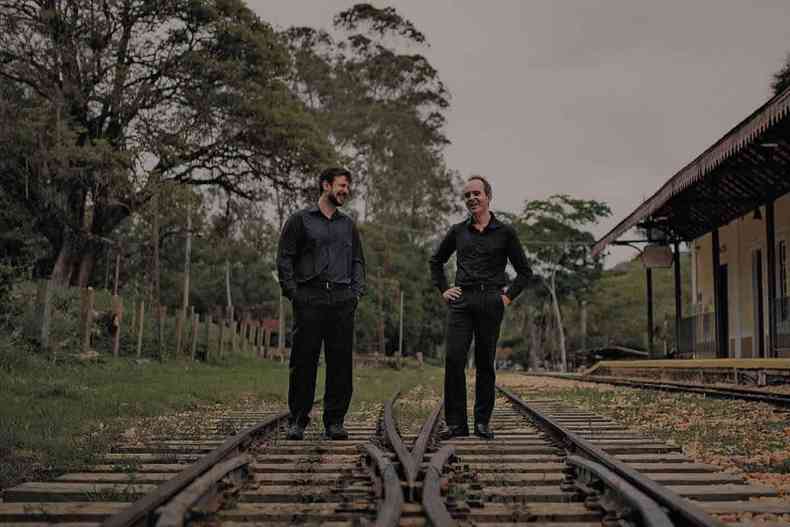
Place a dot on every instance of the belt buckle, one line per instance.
(328, 285)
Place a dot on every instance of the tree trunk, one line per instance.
(62, 270)
(228, 298)
(155, 245)
(560, 331)
(68, 259)
(86, 265)
(531, 327)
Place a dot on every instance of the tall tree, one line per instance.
(119, 96)
(384, 109)
(781, 79)
(558, 247)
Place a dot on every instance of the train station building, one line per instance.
(731, 206)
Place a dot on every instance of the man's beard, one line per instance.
(333, 200)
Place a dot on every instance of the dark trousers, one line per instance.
(327, 317)
(478, 313)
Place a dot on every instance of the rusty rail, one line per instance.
(203, 489)
(681, 511)
(776, 399)
(144, 509)
(421, 443)
(390, 510)
(615, 495)
(431, 489)
(411, 469)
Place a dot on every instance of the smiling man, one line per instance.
(321, 268)
(476, 303)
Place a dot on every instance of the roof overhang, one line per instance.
(741, 171)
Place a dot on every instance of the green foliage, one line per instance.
(617, 310)
(558, 244)
(384, 108)
(396, 263)
(554, 233)
(136, 95)
(781, 79)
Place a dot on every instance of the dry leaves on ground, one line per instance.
(752, 439)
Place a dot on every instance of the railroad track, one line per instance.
(723, 392)
(253, 476)
(550, 464)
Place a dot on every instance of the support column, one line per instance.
(770, 256)
(678, 294)
(720, 343)
(649, 288)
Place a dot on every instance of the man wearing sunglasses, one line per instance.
(476, 304)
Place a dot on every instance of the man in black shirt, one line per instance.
(477, 302)
(321, 268)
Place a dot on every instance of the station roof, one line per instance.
(746, 168)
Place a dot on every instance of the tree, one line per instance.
(383, 109)
(116, 98)
(558, 249)
(781, 79)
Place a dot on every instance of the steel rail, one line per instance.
(144, 509)
(432, 501)
(390, 510)
(775, 399)
(203, 488)
(421, 443)
(410, 468)
(651, 514)
(682, 512)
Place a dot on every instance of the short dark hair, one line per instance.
(486, 184)
(329, 176)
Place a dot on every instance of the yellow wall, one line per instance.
(738, 240)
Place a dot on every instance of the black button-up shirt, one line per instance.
(482, 257)
(313, 246)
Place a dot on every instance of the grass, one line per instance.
(57, 416)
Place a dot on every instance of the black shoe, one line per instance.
(453, 431)
(295, 432)
(336, 432)
(483, 431)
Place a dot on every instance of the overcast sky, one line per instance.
(602, 99)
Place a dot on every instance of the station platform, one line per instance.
(760, 372)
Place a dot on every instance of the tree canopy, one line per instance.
(112, 99)
(781, 79)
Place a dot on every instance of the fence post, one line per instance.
(267, 343)
(208, 334)
(86, 318)
(180, 323)
(117, 317)
(195, 328)
(141, 324)
(256, 338)
(39, 322)
(244, 329)
(221, 320)
(133, 321)
(162, 315)
(234, 327)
